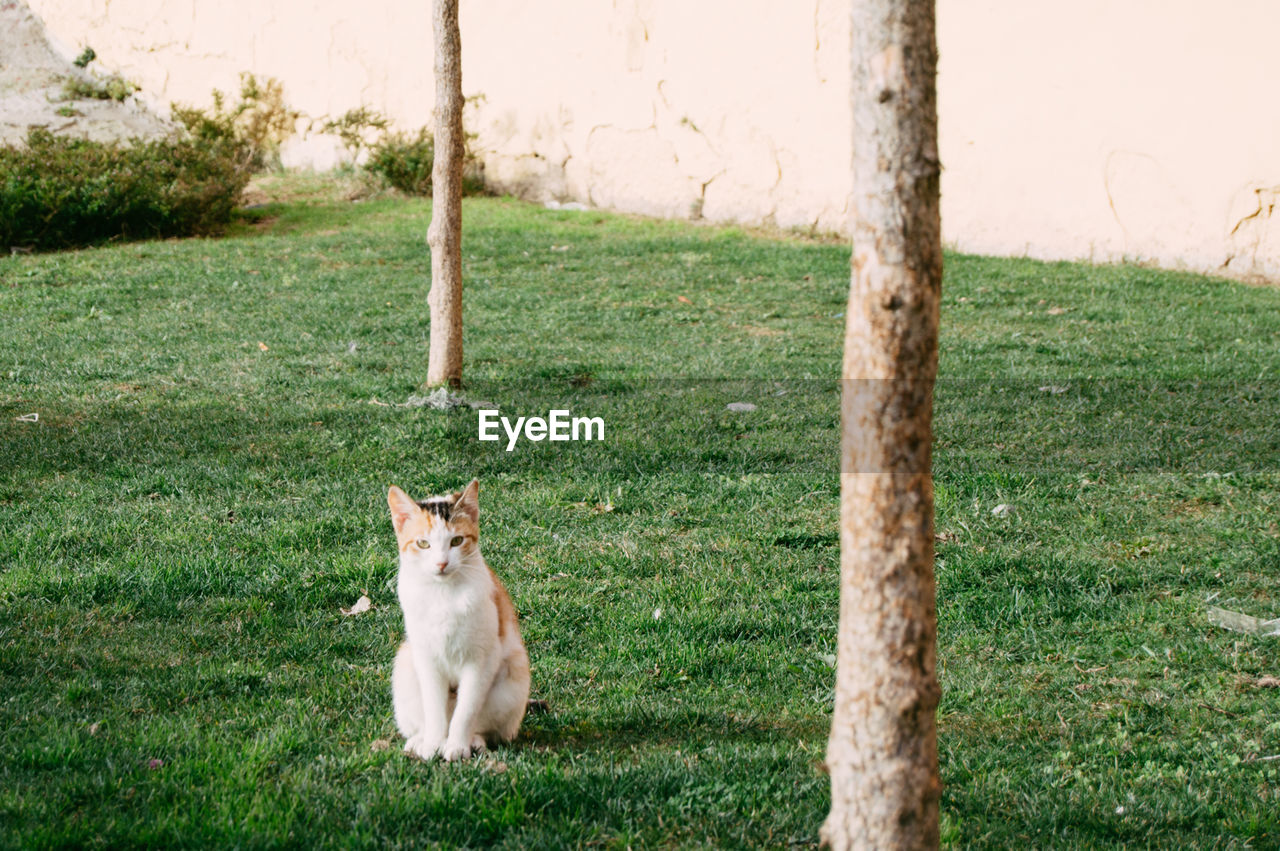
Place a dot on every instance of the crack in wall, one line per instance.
(817, 41)
(1251, 231)
(1269, 205)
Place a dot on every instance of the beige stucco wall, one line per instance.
(1138, 129)
(1112, 129)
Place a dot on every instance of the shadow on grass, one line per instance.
(650, 430)
(679, 727)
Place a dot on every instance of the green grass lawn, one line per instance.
(205, 489)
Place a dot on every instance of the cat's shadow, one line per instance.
(575, 729)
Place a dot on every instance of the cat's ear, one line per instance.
(468, 502)
(402, 508)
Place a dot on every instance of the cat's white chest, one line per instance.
(450, 621)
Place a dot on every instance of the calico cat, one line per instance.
(461, 677)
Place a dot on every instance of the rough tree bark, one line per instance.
(444, 236)
(882, 753)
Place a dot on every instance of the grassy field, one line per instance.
(204, 490)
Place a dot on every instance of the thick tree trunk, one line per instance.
(883, 754)
(444, 236)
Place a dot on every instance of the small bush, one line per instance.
(356, 127)
(58, 192)
(260, 120)
(114, 87)
(405, 161)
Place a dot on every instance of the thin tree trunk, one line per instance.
(883, 754)
(444, 236)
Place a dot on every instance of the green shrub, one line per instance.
(58, 192)
(114, 87)
(405, 161)
(261, 120)
(355, 128)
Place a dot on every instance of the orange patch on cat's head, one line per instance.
(412, 520)
(466, 508)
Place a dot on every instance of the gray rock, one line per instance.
(32, 74)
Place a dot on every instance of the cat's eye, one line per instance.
(423, 544)
(456, 542)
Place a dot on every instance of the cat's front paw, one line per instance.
(454, 751)
(423, 747)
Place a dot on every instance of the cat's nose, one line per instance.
(442, 566)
